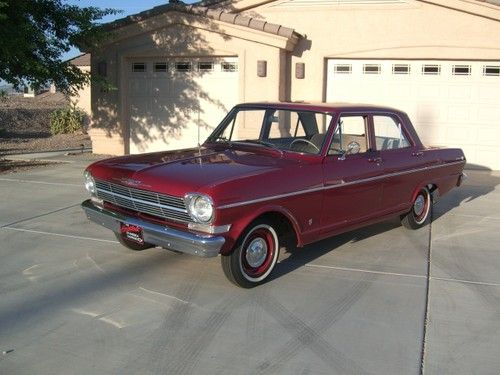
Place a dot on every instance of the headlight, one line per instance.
(200, 207)
(89, 182)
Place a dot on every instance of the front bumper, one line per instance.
(159, 235)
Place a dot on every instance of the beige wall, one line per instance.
(412, 30)
(82, 97)
(183, 36)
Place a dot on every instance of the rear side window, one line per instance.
(389, 133)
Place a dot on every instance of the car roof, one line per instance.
(321, 107)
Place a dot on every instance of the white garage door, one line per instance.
(451, 103)
(176, 103)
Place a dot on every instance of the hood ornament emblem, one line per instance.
(131, 182)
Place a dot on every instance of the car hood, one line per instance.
(191, 170)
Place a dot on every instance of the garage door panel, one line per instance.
(161, 87)
(140, 110)
(489, 136)
(461, 135)
(429, 113)
(463, 92)
(401, 90)
(456, 105)
(490, 93)
(488, 114)
(138, 86)
(430, 91)
(459, 113)
(488, 152)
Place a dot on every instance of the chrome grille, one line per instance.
(147, 202)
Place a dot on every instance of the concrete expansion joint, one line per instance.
(38, 216)
(427, 295)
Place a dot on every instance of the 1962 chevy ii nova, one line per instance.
(271, 171)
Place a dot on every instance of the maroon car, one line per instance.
(272, 171)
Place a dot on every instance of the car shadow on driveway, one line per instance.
(480, 182)
(299, 257)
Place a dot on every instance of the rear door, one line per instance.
(403, 162)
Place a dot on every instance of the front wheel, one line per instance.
(254, 257)
(420, 212)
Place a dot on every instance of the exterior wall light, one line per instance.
(300, 70)
(261, 68)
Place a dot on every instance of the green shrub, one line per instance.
(3, 95)
(67, 120)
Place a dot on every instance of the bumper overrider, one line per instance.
(159, 235)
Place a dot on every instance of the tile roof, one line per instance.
(215, 14)
(81, 60)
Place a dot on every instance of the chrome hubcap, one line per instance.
(419, 205)
(256, 252)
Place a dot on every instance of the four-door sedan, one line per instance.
(270, 172)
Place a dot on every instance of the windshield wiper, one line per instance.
(261, 142)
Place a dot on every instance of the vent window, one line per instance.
(139, 67)
(461, 70)
(489, 70)
(401, 69)
(229, 67)
(343, 69)
(205, 66)
(371, 69)
(183, 66)
(161, 67)
(431, 69)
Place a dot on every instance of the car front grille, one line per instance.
(143, 201)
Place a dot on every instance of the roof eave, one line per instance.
(215, 14)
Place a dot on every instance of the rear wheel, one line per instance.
(254, 257)
(420, 213)
(132, 245)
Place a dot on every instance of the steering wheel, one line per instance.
(353, 147)
(304, 141)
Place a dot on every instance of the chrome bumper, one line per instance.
(168, 238)
(462, 178)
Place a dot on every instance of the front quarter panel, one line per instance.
(294, 193)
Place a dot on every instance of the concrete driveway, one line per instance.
(73, 301)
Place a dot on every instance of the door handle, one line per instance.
(377, 160)
(419, 153)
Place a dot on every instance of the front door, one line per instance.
(352, 175)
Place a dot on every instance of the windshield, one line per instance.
(283, 129)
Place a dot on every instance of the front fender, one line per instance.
(244, 219)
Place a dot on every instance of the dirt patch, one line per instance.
(25, 125)
(13, 166)
(49, 143)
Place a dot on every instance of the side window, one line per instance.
(350, 136)
(286, 124)
(280, 124)
(388, 133)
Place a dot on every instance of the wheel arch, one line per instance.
(432, 187)
(279, 215)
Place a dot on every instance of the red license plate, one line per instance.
(132, 233)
